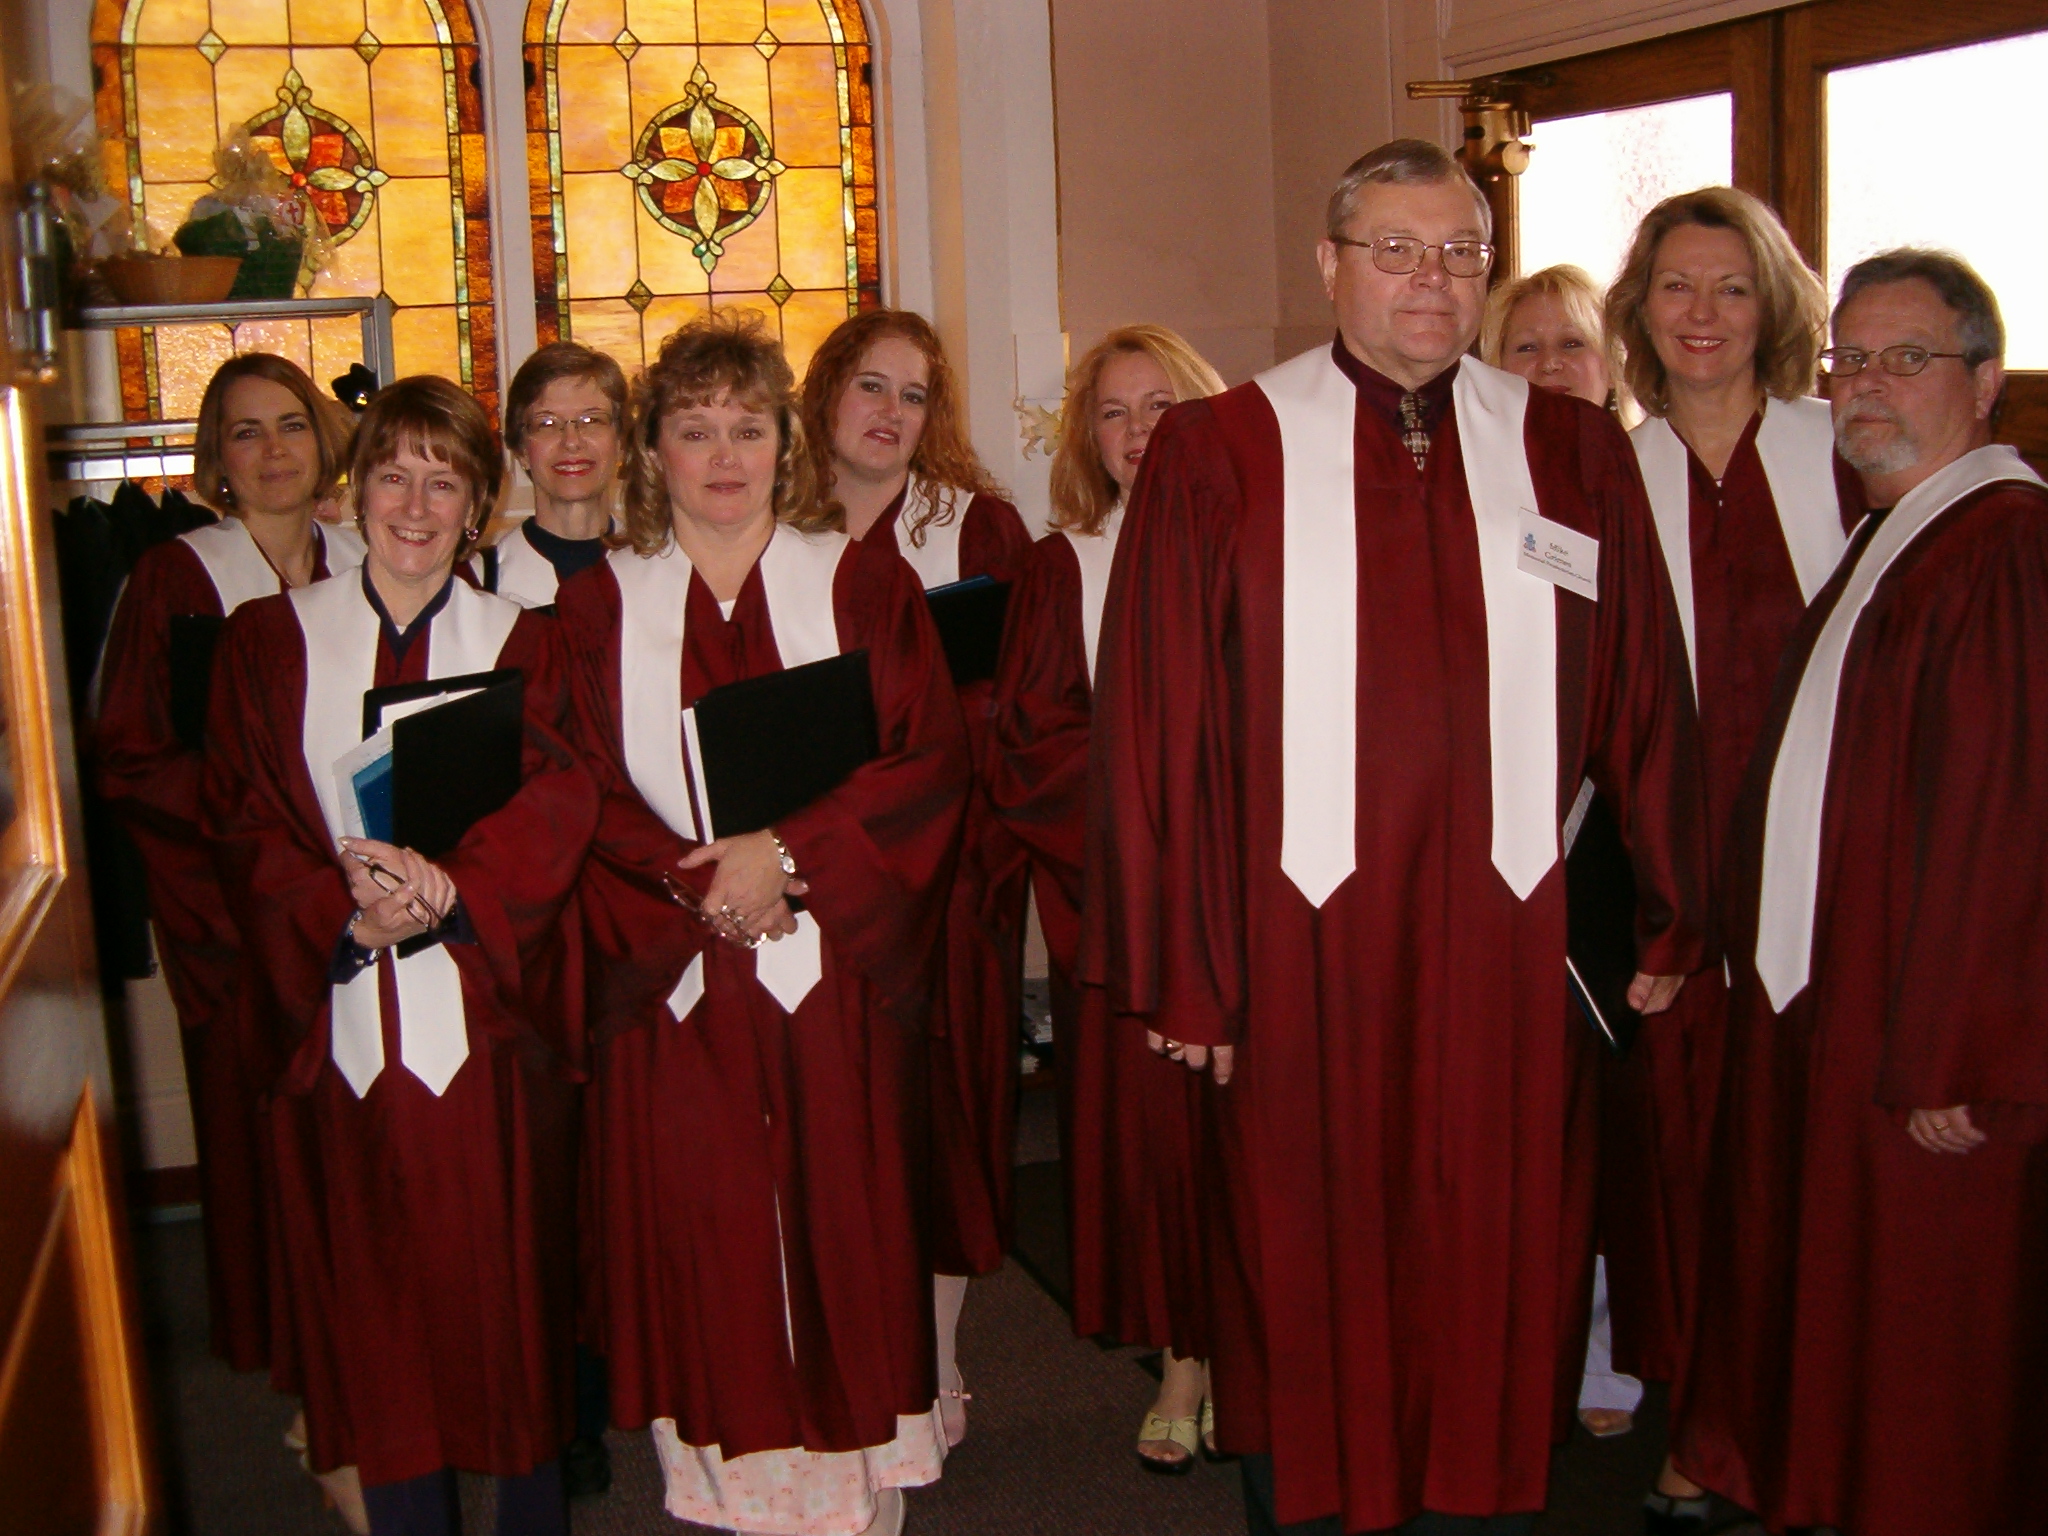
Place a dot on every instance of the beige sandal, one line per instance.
(1180, 1432)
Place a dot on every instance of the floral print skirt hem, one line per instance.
(797, 1492)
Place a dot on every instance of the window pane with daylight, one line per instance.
(1592, 178)
(1935, 150)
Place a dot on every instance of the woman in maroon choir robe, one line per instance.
(1720, 322)
(882, 413)
(1131, 1125)
(758, 1130)
(422, 1123)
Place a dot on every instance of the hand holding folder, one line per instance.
(437, 758)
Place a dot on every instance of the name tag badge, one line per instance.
(1561, 555)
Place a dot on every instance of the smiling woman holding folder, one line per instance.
(425, 1008)
(768, 712)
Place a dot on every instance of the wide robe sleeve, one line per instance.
(1965, 1023)
(1038, 768)
(1163, 826)
(878, 851)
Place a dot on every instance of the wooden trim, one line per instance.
(1670, 68)
(2025, 421)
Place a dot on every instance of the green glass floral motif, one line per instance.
(321, 153)
(704, 168)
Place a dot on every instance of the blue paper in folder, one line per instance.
(374, 798)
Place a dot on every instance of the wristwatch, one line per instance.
(782, 855)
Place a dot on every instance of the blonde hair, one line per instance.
(945, 460)
(1792, 302)
(333, 426)
(726, 354)
(1083, 493)
(1574, 289)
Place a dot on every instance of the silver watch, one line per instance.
(782, 855)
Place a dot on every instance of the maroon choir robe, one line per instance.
(427, 1239)
(756, 1210)
(152, 782)
(1390, 1313)
(1133, 1143)
(1657, 1103)
(1872, 1340)
(976, 1024)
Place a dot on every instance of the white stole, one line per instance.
(525, 575)
(1316, 406)
(1095, 553)
(1796, 441)
(238, 569)
(341, 631)
(1799, 776)
(797, 571)
(937, 559)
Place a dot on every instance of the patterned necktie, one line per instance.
(1412, 433)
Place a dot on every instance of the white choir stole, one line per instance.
(240, 573)
(937, 559)
(797, 572)
(1096, 555)
(341, 630)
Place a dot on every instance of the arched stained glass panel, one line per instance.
(382, 95)
(685, 153)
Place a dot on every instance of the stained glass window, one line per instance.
(374, 106)
(686, 153)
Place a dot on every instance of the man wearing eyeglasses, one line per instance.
(1375, 615)
(1874, 1304)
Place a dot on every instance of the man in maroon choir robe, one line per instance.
(1374, 616)
(1872, 1342)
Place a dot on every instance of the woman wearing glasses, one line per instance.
(423, 1010)
(1720, 323)
(758, 998)
(563, 415)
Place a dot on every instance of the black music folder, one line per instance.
(193, 637)
(759, 749)
(1600, 927)
(969, 615)
(451, 764)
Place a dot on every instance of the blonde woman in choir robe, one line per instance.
(564, 415)
(1132, 1126)
(1720, 324)
(422, 1012)
(760, 1068)
(267, 449)
(883, 413)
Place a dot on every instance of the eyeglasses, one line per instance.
(557, 426)
(1402, 254)
(1901, 362)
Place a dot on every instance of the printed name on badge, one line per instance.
(1559, 554)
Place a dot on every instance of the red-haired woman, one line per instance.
(423, 1010)
(266, 450)
(760, 1062)
(883, 414)
(1133, 1135)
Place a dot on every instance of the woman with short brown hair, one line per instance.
(758, 1074)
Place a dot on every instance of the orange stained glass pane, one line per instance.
(418, 240)
(730, 21)
(670, 21)
(597, 134)
(398, 21)
(337, 342)
(741, 75)
(165, 205)
(356, 266)
(798, 21)
(172, 21)
(340, 83)
(412, 112)
(424, 341)
(807, 319)
(326, 21)
(598, 210)
(241, 22)
(177, 125)
(751, 259)
(813, 229)
(806, 128)
(609, 326)
(665, 317)
(666, 265)
(245, 83)
(585, 21)
(186, 356)
(285, 338)
(660, 75)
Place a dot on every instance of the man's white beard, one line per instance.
(1900, 453)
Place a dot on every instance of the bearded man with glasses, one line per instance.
(1873, 1313)
(1375, 617)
